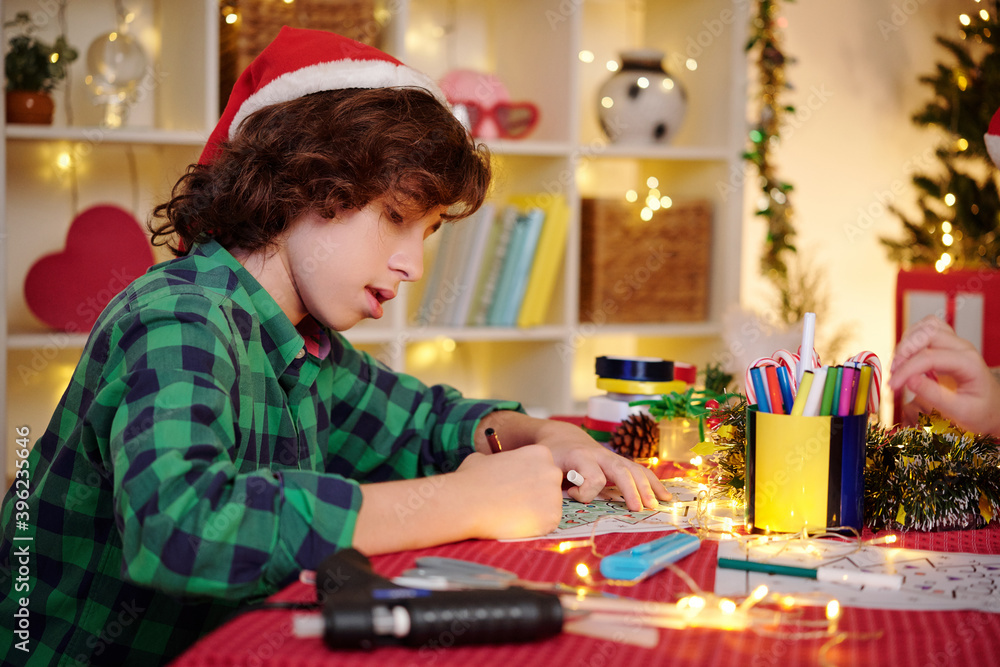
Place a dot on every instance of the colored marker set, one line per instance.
(827, 391)
(797, 384)
(806, 432)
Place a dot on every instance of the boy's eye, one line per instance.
(431, 230)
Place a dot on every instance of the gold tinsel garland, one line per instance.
(934, 476)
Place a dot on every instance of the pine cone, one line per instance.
(638, 437)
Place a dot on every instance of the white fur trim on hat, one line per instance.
(334, 75)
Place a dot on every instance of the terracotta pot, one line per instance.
(29, 107)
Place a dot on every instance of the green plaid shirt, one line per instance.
(200, 459)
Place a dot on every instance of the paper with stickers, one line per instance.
(610, 515)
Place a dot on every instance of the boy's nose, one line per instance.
(409, 261)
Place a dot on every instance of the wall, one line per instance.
(850, 150)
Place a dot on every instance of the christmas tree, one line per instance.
(958, 199)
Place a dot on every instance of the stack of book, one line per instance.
(499, 267)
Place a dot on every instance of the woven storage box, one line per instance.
(634, 271)
(260, 21)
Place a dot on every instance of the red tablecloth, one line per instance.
(907, 638)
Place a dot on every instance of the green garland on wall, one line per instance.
(765, 133)
(934, 476)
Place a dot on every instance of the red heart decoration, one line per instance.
(106, 249)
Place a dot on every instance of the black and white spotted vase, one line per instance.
(641, 104)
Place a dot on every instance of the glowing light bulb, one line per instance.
(832, 614)
(652, 182)
(631, 196)
(642, 82)
(964, 19)
(949, 199)
(586, 56)
(582, 570)
(231, 18)
(646, 214)
(727, 606)
(607, 102)
(612, 65)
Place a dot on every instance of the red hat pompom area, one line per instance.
(993, 138)
(300, 62)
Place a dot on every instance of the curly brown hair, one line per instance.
(323, 152)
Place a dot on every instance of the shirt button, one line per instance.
(301, 353)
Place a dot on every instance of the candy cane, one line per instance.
(790, 361)
(758, 363)
(875, 392)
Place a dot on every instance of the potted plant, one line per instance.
(33, 69)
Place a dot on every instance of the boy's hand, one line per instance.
(516, 493)
(573, 449)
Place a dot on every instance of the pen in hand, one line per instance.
(494, 440)
(572, 476)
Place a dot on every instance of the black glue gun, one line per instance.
(362, 610)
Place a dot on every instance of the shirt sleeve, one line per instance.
(388, 425)
(194, 521)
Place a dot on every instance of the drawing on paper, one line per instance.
(931, 579)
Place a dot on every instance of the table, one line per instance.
(908, 638)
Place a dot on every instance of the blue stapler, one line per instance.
(647, 559)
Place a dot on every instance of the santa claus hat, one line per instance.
(992, 138)
(300, 62)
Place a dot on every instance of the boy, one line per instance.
(218, 435)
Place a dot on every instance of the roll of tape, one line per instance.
(592, 424)
(633, 387)
(636, 369)
(609, 409)
(685, 372)
(599, 436)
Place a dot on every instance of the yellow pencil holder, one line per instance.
(804, 472)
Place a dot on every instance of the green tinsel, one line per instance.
(931, 477)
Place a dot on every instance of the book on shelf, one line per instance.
(429, 305)
(517, 263)
(499, 267)
(478, 230)
(492, 266)
(545, 267)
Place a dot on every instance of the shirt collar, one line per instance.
(287, 339)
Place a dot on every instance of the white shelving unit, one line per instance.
(533, 46)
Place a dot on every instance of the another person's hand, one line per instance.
(946, 373)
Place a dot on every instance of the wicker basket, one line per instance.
(633, 271)
(260, 21)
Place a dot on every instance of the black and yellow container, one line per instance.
(804, 472)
